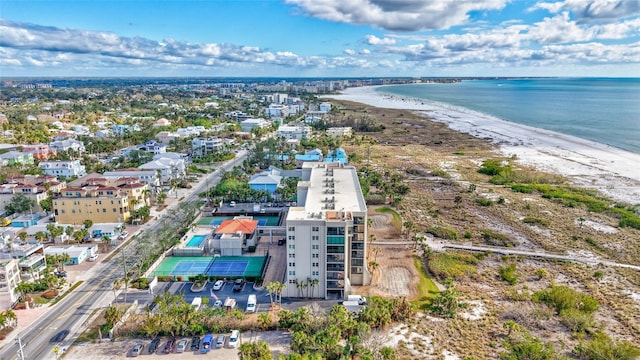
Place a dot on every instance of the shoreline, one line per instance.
(612, 171)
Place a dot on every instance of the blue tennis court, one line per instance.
(227, 268)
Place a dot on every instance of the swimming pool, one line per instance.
(196, 240)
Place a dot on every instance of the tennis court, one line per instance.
(217, 220)
(227, 266)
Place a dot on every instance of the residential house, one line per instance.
(250, 124)
(149, 177)
(31, 260)
(66, 169)
(153, 147)
(294, 131)
(309, 156)
(162, 122)
(169, 169)
(68, 145)
(268, 180)
(339, 132)
(325, 107)
(337, 155)
(277, 110)
(77, 253)
(40, 151)
(16, 158)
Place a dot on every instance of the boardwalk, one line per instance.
(443, 245)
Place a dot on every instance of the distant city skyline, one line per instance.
(320, 38)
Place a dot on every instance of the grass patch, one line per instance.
(427, 289)
(397, 220)
(443, 232)
(496, 239)
(452, 265)
(535, 221)
(41, 300)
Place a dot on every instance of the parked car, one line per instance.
(60, 336)
(182, 345)
(137, 349)
(168, 348)
(220, 341)
(217, 304)
(93, 257)
(195, 343)
(232, 204)
(153, 346)
(218, 285)
(238, 284)
(206, 343)
(233, 339)
(123, 235)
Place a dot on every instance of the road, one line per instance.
(95, 293)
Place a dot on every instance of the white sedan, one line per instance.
(218, 285)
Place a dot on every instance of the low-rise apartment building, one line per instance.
(98, 203)
(9, 279)
(294, 131)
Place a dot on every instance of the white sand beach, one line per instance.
(614, 172)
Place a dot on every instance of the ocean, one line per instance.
(605, 110)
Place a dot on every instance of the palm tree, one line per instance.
(117, 284)
(10, 317)
(63, 259)
(23, 288)
(22, 236)
(40, 235)
(314, 283)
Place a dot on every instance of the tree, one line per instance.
(23, 288)
(112, 314)
(22, 236)
(264, 320)
(19, 204)
(258, 350)
(87, 223)
(40, 235)
(446, 303)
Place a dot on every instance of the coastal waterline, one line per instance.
(602, 110)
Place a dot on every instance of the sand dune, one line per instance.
(614, 172)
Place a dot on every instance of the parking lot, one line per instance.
(227, 292)
(121, 348)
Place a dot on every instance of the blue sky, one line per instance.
(320, 38)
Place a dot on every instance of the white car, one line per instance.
(217, 304)
(233, 339)
(93, 257)
(182, 345)
(218, 285)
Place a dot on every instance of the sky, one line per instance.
(319, 38)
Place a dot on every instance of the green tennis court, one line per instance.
(222, 266)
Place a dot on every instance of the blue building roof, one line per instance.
(337, 155)
(308, 157)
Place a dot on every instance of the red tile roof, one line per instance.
(246, 226)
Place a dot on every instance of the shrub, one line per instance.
(484, 201)
(577, 320)
(496, 239)
(525, 346)
(561, 298)
(50, 294)
(251, 248)
(602, 347)
(443, 232)
(535, 221)
(467, 235)
(491, 167)
(140, 283)
(591, 242)
(508, 274)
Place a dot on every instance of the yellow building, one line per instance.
(100, 204)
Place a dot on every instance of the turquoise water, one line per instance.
(599, 109)
(196, 240)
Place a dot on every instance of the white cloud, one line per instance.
(374, 40)
(593, 10)
(365, 52)
(349, 52)
(401, 15)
